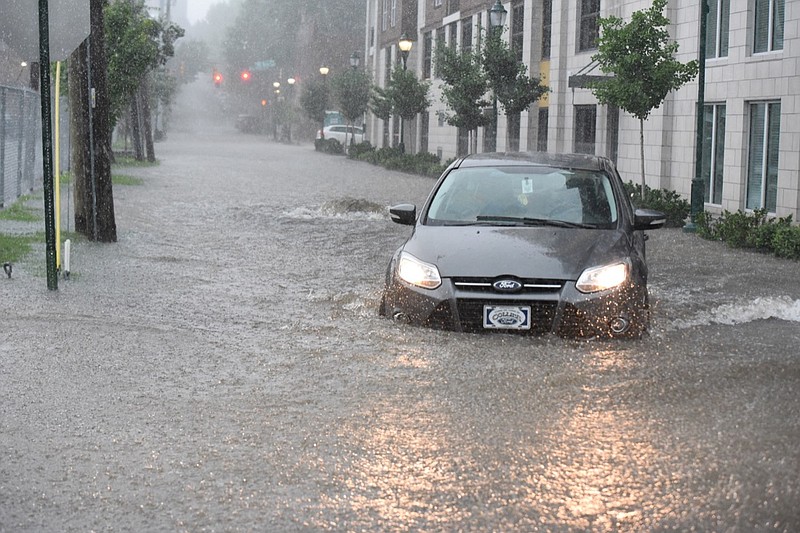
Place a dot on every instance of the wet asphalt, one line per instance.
(222, 368)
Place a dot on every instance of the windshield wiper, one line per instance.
(528, 221)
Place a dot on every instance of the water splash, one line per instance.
(341, 208)
(782, 307)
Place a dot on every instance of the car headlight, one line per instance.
(416, 272)
(602, 278)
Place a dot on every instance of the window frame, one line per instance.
(712, 165)
(776, 14)
(718, 34)
(763, 155)
(581, 123)
(588, 22)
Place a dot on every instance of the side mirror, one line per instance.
(644, 219)
(405, 214)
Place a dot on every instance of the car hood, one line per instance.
(526, 252)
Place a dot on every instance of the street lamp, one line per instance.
(323, 70)
(497, 19)
(291, 82)
(697, 194)
(404, 44)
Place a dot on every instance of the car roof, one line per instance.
(576, 161)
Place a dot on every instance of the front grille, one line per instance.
(529, 285)
(470, 313)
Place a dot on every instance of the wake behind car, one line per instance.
(530, 243)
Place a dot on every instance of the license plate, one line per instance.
(506, 317)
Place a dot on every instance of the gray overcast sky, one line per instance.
(197, 9)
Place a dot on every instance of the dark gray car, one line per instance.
(527, 242)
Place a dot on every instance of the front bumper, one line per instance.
(556, 307)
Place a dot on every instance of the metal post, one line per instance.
(698, 186)
(47, 146)
(402, 144)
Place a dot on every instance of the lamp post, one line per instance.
(404, 44)
(323, 71)
(497, 19)
(697, 197)
(291, 81)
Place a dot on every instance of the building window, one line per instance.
(437, 3)
(385, 17)
(585, 128)
(769, 25)
(452, 6)
(427, 54)
(394, 13)
(453, 35)
(372, 37)
(440, 33)
(762, 165)
(547, 21)
(612, 132)
(517, 30)
(544, 118)
(589, 30)
(713, 152)
(719, 15)
(466, 35)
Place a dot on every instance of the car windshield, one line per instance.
(534, 195)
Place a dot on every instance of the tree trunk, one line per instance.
(147, 126)
(91, 134)
(512, 132)
(641, 150)
(136, 130)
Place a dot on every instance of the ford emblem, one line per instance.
(507, 285)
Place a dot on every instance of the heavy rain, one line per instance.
(222, 367)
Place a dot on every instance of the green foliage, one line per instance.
(351, 88)
(509, 80)
(19, 211)
(329, 146)
(314, 99)
(668, 202)
(191, 58)
(640, 57)
(465, 87)
(123, 179)
(786, 242)
(135, 45)
(380, 104)
(356, 150)
(406, 95)
(752, 230)
(15, 247)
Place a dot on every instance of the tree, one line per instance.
(464, 90)
(404, 96)
(351, 88)
(314, 100)
(640, 56)
(91, 133)
(509, 81)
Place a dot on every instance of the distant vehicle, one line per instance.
(340, 131)
(524, 243)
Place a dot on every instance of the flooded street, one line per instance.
(223, 368)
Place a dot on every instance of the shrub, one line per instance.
(786, 242)
(329, 146)
(357, 150)
(752, 230)
(668, 202)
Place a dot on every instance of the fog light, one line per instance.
(399, 316)
(619, 324)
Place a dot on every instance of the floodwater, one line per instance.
(223, 368)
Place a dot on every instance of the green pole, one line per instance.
(47, 146)
(698, 186)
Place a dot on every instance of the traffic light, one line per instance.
(245, 75)
(217, 79)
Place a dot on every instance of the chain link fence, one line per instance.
(20, 143)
